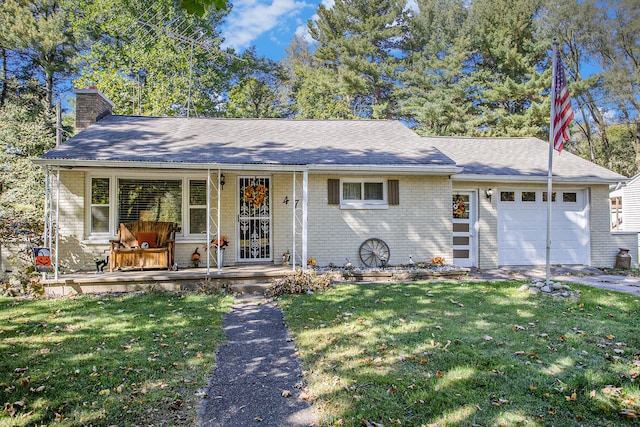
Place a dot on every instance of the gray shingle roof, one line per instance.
(513, 159)
(248, 141)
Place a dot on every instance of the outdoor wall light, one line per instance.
(489, 193)
(222, 182)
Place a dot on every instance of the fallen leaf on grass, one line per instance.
(571, 398)
(609, 389)
(487, 338)
(629, 413)
(499, 402)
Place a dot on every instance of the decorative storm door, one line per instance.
(255, 219)
(463, 229)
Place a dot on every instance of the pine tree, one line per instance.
(357, 46)
(435, 85)
(509, 65)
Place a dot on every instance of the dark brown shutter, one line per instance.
(393, 191)
(333, 191)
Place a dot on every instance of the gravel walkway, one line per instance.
(258, 380)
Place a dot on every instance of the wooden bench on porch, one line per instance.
(143, 245)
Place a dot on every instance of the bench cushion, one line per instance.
(148, 237)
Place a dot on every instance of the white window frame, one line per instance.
(186, 224)
(362, 203)
(110, 232)
(114, 177)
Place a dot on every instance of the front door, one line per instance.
(464, 244)
(254, 219)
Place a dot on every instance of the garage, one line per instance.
(522, 227)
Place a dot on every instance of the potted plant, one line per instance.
(219, 245)
(286, 257)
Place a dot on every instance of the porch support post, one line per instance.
(305, 200)
(46, 237)
(293, 224)
(57, 235)
(208, 248)
(218, 252)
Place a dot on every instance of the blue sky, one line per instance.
(268, 24)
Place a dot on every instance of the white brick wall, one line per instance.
(419, 226)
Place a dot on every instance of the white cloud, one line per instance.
(303, 31)
(249, 19)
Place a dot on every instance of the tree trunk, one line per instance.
(5, 79)
(49, 90)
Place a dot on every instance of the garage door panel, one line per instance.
(522, 232)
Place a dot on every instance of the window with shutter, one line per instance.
(360, 193)
(333, 196)
(393, 190)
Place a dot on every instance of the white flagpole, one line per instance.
(550, 173)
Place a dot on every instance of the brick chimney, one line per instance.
(91, 106)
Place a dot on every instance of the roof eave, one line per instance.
(396, 169)
(446, 170)
(535, 179)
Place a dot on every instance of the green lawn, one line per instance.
(455, 354)
(137, 359)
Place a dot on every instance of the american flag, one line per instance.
(562, 113)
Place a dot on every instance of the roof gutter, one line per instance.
(83, 164)
(445, 170)
(520, 179)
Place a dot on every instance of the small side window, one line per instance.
(197, 206)
(100, 205)
(363, 194)
(544, 196)
(507, 196)
(528, 196)
(569, 197)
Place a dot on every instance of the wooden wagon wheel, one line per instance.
(374, 253)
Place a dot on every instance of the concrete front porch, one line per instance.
(243, 278)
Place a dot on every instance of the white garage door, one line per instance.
(522, 227)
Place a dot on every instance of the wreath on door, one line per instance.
(255, 194)
(458, 208)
